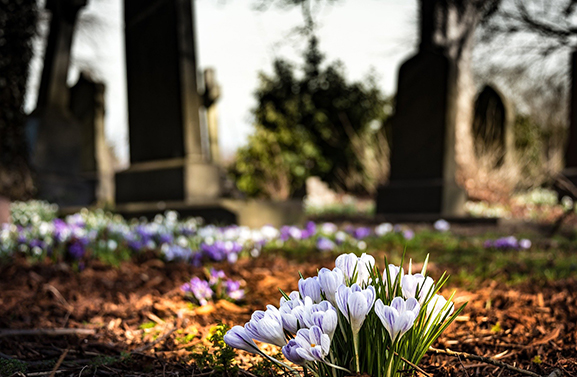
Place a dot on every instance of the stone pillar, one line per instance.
(53, 132)
(423, 166)
(87, 104)
(211, 95)
(167, 160)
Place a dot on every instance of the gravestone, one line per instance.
(492, 126)
(423, 166)
(87, 105)
(167, 160)
(210, 97)
(54, 134)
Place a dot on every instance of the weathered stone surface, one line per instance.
(493, 126)
(54, 133)
(423, 165)
(97, 162)
(163, 103)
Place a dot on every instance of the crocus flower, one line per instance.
(408, 234)
(330, 281)
(398, 318)
(361, 233)
(417, 286)
(442, 225)
(437, 306)
(324, 244)
(355, 303)
(350, 264)
(266, 326)
(310, 287)
(200, 289)
(311, 345)
(290, 352)
(383, 229)
(328, 228)
(394, 271)
(233, 290)
(238, 337)
(524, 244)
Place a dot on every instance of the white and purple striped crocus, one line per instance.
(352, 266)
(330, 281)
(308, 345)
(237, 337)
(355, 304)
(399, 317)
(310, 287)
(417, 286)
(266, 326)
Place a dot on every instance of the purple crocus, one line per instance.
(324, 244)
(361, 233)
(200, 289)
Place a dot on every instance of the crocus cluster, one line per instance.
(217, 287)
(353, 318)
(508, 243)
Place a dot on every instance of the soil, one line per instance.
(138, 308)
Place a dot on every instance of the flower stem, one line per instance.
(356, 344)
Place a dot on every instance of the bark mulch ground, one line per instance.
(134, 320)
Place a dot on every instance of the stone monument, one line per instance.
(493, 126)
(210, 97)
(54, 134)
(87, 105)
(422, 180)
(167, 158)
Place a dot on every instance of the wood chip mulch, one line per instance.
(136, 321)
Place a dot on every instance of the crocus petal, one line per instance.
(237, 337)
(358, 310)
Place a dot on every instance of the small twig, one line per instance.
(158, 340)
(484, 359)
(413, 365)
(47, 332)
(58, 363)
(465, 369)
(4, 356)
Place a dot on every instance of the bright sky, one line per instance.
(238, 42)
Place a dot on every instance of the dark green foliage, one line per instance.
(17, 27)
(315, 123)
(11, 367)
(220, 357)
(528, 145)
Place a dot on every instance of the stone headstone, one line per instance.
(422, 179)
(54, 133)
(166, 154)
(492, 126)
(87, 105)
